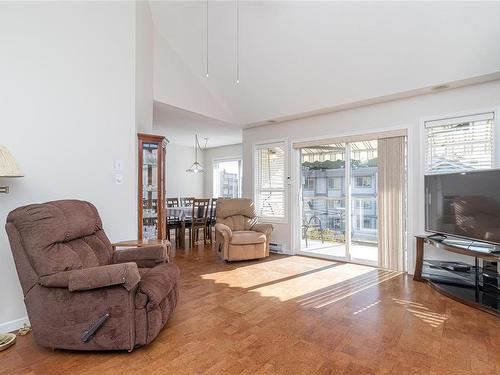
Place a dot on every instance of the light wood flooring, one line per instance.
(292, 315)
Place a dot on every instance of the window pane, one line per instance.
(364, 172)
(323, 199)
(270, 180)
(227, 178)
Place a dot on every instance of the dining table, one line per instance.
(182, 213)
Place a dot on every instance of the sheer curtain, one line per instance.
(391, 202)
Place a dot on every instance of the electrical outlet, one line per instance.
(118, 178)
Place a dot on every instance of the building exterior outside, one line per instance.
(227, 178)
(229, 183)
(324, 197)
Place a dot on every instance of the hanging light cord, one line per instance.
(207, 39)
(197, 145)
(237, 41)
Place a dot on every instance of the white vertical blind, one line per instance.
(270, 184)
(459, 144)
(391, 202)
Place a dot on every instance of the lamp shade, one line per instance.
(8, 166)
(195, 168)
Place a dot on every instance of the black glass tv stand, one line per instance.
(437, 237)
(473, 285)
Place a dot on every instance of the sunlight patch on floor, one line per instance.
(423, 313)
(367, 307)
(313, 282)
(250, 276)
(346, 288)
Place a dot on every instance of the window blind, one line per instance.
(270, 192)
(459, 144)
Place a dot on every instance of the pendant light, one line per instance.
(196, 167)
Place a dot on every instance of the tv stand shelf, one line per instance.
(475, 287)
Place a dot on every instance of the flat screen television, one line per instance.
(465, 205)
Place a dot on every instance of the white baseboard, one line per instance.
(281, 252)
(13, 325)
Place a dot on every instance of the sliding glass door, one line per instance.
(324, 200)
(363, 200)
(339, 201)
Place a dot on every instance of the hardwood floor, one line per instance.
(293, 315)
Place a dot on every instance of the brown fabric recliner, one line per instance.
(238, 236)
(71, 277)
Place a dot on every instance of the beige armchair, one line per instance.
(238, 236)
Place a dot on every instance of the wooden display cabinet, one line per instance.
(151, 186)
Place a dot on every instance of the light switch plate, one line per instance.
(118, 165)
(118, 178)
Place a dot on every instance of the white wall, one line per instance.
(217, 153)
(397, 114)
(144, 68)
(67, 112)
(176, 85)
(301, 56)
(179, 182)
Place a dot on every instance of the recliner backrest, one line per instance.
(238, 213)
(59, 236)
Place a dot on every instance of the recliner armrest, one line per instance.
(124, 274)
(223, 229)
(267, 229)
(56, 280)
(147, 256)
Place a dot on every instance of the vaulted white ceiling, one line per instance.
(180, 126)
(298, 57)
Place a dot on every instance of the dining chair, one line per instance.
(172, 202)
(198, 220)
(173, 222)
(211, 219)
(186, 201)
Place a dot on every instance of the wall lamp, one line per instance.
(8, 167)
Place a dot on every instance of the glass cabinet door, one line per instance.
(151, 186)
(150, 191)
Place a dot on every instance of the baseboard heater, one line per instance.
(276, 247)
